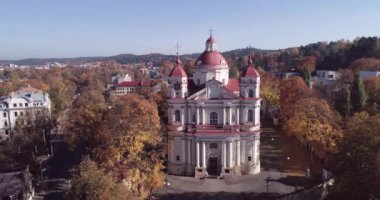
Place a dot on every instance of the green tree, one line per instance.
(89, 182)
(358, 96)
(306, 75)
(343, 101)
(234, 72)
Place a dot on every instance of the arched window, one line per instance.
(213, 118)
(250, 116)
(250, 93)
(177, 115)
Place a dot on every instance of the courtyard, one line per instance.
(284, 163)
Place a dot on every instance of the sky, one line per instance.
(75, 28)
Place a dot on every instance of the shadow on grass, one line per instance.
(298, 181)
(217, 196)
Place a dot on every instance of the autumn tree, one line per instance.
(269, 89)
(291, 91)
(357, 171)
(307, 63)
(29, 136)
(166, 67)
(372, 88)
(358, 96)
(314, 122)
(90, 182)
(84, 119)
(130, 148)
(189, 67)
(365, 64)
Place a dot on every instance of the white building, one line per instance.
(24, 102)
(214, 121)
(117, 79)
(128, 87)
(327, 77)
(369, 74)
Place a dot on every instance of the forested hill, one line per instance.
(327, 55)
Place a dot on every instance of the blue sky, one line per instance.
(73, 28)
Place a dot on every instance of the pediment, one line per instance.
(213, 90)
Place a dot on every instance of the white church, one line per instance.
(214, 121)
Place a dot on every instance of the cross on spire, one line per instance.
(177, 48)
(211, 30)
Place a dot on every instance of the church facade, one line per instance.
(214, 121)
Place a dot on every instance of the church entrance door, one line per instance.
(213, 166)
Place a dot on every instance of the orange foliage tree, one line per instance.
(291, 91)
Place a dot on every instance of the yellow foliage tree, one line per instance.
(315, 122)
(131, 148)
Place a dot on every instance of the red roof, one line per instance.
(135, 83)
(178, 71)
(210, 58)
(233, 85)
(250, 72)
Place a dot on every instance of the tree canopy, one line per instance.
(358, 161)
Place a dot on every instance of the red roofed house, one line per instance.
(214, 121)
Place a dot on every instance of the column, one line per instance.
(189, 152)
(224, 151)
(243, 151)
(224, 115)
(237, 115)
(197, 117)
(204, 154)
(203, 115)
(230, 115)
(183, 150)
(189, 118)
(173, 115)
(230, 154)
(197, 153)
(182, 116)
(238, 153)
(245, 115)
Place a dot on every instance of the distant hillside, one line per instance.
(329, 55)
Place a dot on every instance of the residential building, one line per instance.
(22, 103)
(214, 121)
(327, 77)
(128, 87)
(369, 74)
(16, 185)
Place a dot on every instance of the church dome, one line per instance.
(211, 57)
(250, 71)
(178, 71)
